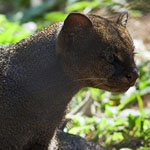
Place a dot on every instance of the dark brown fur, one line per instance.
(66, 141)
(40, 75)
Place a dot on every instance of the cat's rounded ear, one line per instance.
(76, 21)
(122, 19)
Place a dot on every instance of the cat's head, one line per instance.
(97, 52)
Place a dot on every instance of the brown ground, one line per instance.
(139, 28)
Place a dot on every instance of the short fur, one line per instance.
(40, 75)
(66, 141)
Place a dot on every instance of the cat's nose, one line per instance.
(132, 76)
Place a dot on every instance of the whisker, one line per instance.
(98, 84)
(135, 53)
(89, 79)
(99, 79)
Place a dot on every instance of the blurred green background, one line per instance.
(118, 122)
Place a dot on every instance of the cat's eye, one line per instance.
(110, 58)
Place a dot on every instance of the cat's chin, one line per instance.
(121, 90)
(114, 89)
(121, 85)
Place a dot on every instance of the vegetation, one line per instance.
(116, 121)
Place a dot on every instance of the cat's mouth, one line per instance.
(121, 83)
(117, 85)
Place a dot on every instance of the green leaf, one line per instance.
(117, 136)
(82, 5)
(55, 17)
(11, 32)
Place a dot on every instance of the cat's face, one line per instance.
(97, 52)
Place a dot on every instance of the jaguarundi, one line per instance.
(40, 75)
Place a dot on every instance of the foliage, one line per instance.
(118, 121)
(120, 126)
(11, 32)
